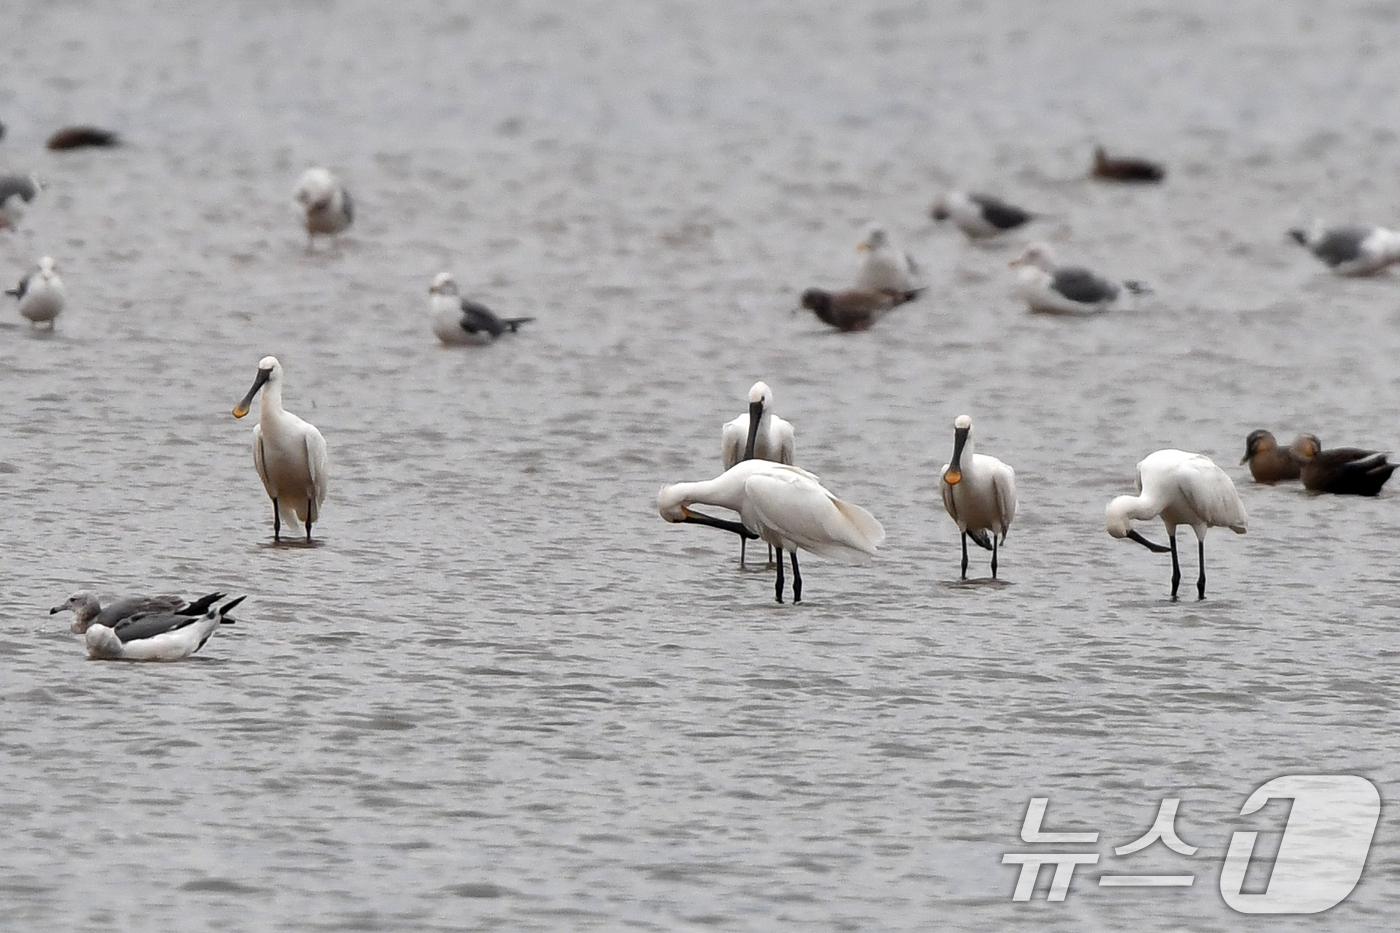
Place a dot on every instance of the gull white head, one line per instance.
(1037, 256)
(47, 267)
(269, 373)
(103, 643)
(443, 284)
(315, 189)
(85, 608)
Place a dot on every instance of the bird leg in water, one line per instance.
(1176, 570)
(1201, 581)
(276, 521)
(796, 580)
(964, 564)
(994, 557)
(309, 513)
(779, 594)
(743, 545)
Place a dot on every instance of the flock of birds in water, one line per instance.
(776, 501)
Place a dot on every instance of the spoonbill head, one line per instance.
(289, 454)
(979, 493)
(1181, 488)
(785, 506)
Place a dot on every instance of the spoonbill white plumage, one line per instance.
(785, 506)
(883, 265)
(289, 453)
(979, 215)
(1182, 489)
(158, 636)
(325, 202)
(979, 493)
(40, 293)
(761, 434)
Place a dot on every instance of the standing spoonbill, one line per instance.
(1182, 489)
(979, 493)
(761, 434)
(785, 506)
(290, 454)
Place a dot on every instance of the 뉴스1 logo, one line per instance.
(1319, 860)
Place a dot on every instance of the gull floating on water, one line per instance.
(1054, 289)
(785, 506)
(78, 137)
(1269, 463)
(884, 266)
(87, 611)
(460, 321)
(979, 215)
(16, 193)
(1352, 250)
(40, 293)
(854, 308)
(289, 453)
(157, 636)
(326, 203)
(979, 493)
(758, 434)
(1125, 168)
(1182, 489)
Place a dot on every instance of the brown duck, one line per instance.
(1125, 169)
(1347, 471)
(855, 308)
(1270, 463)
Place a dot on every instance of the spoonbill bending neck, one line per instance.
(1182, 489)
(289, 453)
(785, 506)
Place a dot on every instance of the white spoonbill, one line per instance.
(40, 293)
(158, 636)
(979, 492)
(884, 266)
(290, 454)
(785, 506)
(761, 434)
(325, 202)
(1182, 489)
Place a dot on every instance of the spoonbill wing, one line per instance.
(260, 463)
(1004, 489)
(799, 513)
(318, 464)
(1211, 494)
(732, 438)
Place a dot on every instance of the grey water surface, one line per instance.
(499, 693)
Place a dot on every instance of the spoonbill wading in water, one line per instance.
(290, 454)
(1182, 489)
(785, 506)
(979, 493)
(761, 434)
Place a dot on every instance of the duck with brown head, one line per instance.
(1269, 463)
